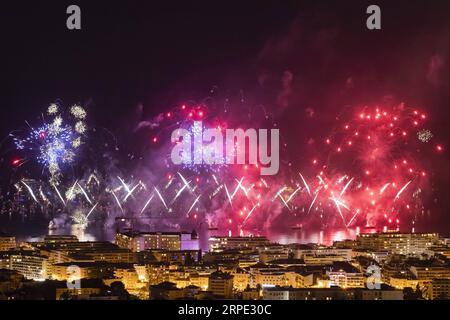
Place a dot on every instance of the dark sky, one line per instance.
(158, 53)
(127, 51)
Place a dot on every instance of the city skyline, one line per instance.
(171, 265)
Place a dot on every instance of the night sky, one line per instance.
(161, 53)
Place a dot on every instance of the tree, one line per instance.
(118, 289)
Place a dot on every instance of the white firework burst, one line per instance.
(52, 109)
(78, 112)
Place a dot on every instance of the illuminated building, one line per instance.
(345, 275)
(131, 241)
(200, 280)
(384, 293)
(442, 250)
(318, 252)
(176, 256)
(289, 293)
(438, 289)
(87, 288)
(403, 281)
(30, 265)
(115, 255)
(250, 294)
(59, 239)
(241, 278)
(223, 243)
(7, 242)
(378, 256)
(87, 270)
(289, 262)
(130, 278)
(269, 277)
(320, 260)
(345, 244)
(243, 256)
(334, 293)
(398, 243)
(140, 241)
(272, 252)
(221, 284)
(191, 276)
(275, 275)
(68, 250)
(4, 260)
(190, 241)
(430, 272)
(162, 240)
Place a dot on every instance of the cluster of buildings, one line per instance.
(170, 265)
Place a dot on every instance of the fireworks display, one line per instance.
(54, 143)
(367, 172)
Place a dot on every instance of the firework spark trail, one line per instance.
(264, 182)
(346, 186)
(216, 191)
(293, 194)
(59, 194)
(402, 189)
(161, 198)
(184, 181)
(143, 185)
(124, 184)
(240, 186)
(169, 183)
(284, 202)
(117, 200)
(193, 204)
(130, 193)
(342, 178)
(70, 194)
(249, 214)
(384, 187)
(351, 220)
(30, 191)
(230, 200)
(321, 180)
(92, 210)
(340, 203)
(41, 193)
(180, 191)
(92, 177)
(278, 193)
(147, 203)
(215, 179)
(337, 203)
(237, 187)
(313, 201)
(84, 193)
(306, 185)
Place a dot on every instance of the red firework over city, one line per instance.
(370, 171)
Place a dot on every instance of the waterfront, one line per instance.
(96, 233)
